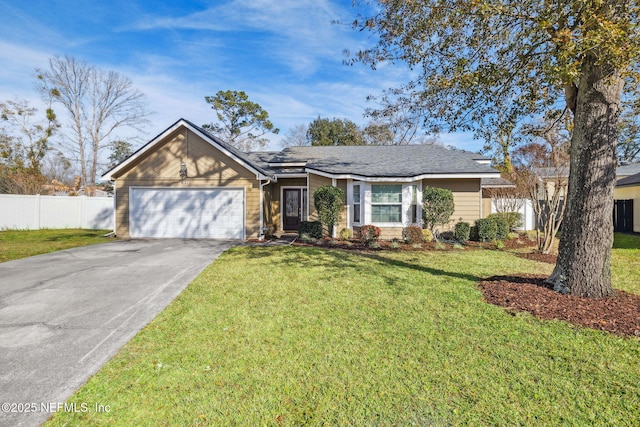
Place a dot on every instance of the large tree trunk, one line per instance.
(584, 258)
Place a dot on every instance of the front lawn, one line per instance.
(303, 335)
(626, 260)
(16, 244)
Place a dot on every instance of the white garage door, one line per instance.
(186, 213)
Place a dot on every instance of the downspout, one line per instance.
(115, 205)
(261, 233)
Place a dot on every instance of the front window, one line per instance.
(414, 204)
(386, 203)
(356, 204)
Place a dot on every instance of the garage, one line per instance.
(188, 213)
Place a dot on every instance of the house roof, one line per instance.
(628, 169)
(390, 161)
(234, 153)
(560, 171)
(496, 183)
(359, 162)
(622, 170)
(629, 181)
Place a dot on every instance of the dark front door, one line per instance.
(292, 209)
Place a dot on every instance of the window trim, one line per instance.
(357, 219)
(396, 204)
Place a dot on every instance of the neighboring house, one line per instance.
(187, 183)
(626, 195)
(497, 196)
(627, 204)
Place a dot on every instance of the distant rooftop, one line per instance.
(629, 180)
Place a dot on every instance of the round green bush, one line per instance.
(462, 231)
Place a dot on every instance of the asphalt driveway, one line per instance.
(64, 314)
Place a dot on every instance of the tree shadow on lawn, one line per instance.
(64, 237)
(336, 261)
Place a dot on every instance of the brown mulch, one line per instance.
(619, 315)
(537, 256)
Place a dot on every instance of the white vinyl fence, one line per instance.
(528, 216)
(19, 212)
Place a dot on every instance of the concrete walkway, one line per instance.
(63, 315)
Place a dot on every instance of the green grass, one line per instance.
(625, 259)
(21, 244)
(309, 336)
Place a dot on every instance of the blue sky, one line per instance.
(285, 54)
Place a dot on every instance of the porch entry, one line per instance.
(294, 208)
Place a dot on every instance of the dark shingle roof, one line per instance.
(629, 180)
(623, 170)
(496, 183)
(385, 161)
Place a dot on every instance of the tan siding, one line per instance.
(207, 167)
(466, 197)
(386, 233)
(627, 193)
(390, 233)
(342, 222)
(315, 182)
(486, 207)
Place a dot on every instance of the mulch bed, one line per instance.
(619, 315)
(537, 256)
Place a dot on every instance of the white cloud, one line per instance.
(298, 33)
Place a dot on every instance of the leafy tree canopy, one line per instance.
(334, 132)
(24, 143)
(120, 150)
(241, 122)
(484, 64)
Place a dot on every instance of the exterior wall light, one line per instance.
(183, 170)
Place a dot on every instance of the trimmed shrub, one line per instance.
(312, 229)
(412, 234)
(502, 226)
(329, 202)
(473, 234)
(461, 231)
(437, 207)
(369, 233)
(487, 229)
(427, 235)
(346, 234)
(514, 219)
